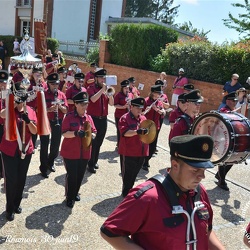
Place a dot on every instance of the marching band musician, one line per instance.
(156, 110)
(36, 80)
(121, 104)
(15, 167)
(178, 111)
(90, 76)
(132, 88)
(4, 76)
(231, 101)
(98, 110)
(157, 214)
(76, 158)
(57, 107)
(74, 89)
(131, 149)
(182, 125)
(62, 72)
(165, 102)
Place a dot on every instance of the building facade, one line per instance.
(74, 20)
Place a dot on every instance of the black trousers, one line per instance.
(47, 159)
(152, 148)
(75, 173)
(101, 127)
(15, 172)
(1, 163)
(130, 169)
(117, 130)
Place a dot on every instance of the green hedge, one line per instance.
(204, 61)
(134, 45)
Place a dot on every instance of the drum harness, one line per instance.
(177, 209)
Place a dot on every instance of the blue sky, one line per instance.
(208, 15)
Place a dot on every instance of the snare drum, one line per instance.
(231, 134)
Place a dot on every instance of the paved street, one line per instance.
(46, 223)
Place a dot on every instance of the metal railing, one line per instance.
(80, 48)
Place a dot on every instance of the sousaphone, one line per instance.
(86, 141)
(151, 135)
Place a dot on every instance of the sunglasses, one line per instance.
(54, 83)
(235, 79)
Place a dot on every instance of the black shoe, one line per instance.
(70, 203)
(223, 186)
(145, 167)
(96, 166)
(77, 198)
(10, 216)
(18, 210)
(44, 174)
(91, 170)
(52, 169)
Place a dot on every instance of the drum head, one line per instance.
(213, 124)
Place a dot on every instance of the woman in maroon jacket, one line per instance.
(16, 159)
(76, 157)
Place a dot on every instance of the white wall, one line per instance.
(111, 8)
(70, 20)
(7, 17)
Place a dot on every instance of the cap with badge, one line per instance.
(231, 96)
(55, 55)
(93, 64)
(61, 70)
(124, 83)
(138, 102)
(53, 78)
(194, 150)
(156, 89)
(37, 70)
(79, 76)
(131, 79)
(4, 76)
(193, 96)
(159, 82)
(101, 73)
(181, 98)
(81, 97)
(188, 87)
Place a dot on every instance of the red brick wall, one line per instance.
(211, 92)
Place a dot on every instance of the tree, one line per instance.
(242, 23)
(157, 9)
(188, 26)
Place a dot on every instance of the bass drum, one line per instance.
(230, 132)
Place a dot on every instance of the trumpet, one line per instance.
(56, 102)
(110, 91)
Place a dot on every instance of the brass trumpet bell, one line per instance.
(86, 141)
(151, 135)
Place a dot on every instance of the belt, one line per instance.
(99, 117)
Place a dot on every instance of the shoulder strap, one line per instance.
(168, 188)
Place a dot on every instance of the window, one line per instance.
(26, 2)
(25, 25)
